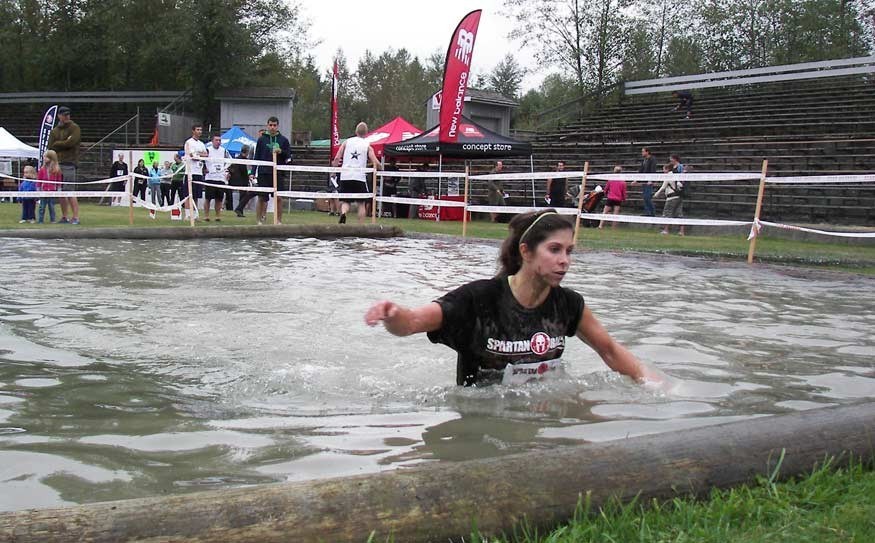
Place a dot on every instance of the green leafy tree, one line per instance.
(507, 77)
(583, 38)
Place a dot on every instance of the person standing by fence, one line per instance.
(269, 143)
(119, 168)
(217, 174)
(177, 170)
(239, 176)
(194, 152)
(556, 188)
(155, 184)
(28, 205)
(495, 188)
(615, 194)
(674, 204)
(140, 180)
(51, 173)
(64, 139)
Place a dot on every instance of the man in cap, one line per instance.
(64, 139)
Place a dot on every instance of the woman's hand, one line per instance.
(381, 311)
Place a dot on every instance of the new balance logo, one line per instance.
(465, 45)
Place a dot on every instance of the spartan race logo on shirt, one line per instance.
(539, 344)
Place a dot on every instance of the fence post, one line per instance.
(580, 201)
(465, 209)
(276, 199)
(756, 217)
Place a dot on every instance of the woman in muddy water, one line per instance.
(512, 328)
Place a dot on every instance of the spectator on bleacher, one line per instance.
(615, 194)
(674, 204)
(239, 176)
(119, 168)
(557, 188)
(194, 150)
(217, 174)
(685, 101)
(64, 139)
(141, 180)
(676, 166)
(166, 174)
(176, 182)
(155, 184)
(28, 205)
(51, 173)
(495, 196)
(648, 165)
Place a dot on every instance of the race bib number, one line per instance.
(119, 173)
(517, 374)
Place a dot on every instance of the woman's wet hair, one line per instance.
(531, 229)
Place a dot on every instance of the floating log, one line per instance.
(320, 231)
(439, 502)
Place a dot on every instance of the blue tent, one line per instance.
(235, 138)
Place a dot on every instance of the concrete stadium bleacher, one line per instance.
(808, 127)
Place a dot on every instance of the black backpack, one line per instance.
(680, 189)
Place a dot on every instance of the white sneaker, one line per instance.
(22, 221)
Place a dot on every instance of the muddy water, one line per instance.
(132, 369)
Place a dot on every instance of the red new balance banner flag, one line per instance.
(335, 130)
(45, 129)
(456, 71)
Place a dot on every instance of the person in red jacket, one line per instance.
(615, 192)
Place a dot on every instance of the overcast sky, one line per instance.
(419, 26)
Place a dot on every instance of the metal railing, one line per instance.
(768, 74)
(103, 146)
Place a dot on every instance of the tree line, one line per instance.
(586, 45)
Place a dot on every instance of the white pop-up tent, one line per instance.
(12, 147)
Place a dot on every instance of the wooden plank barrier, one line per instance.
(440, 501)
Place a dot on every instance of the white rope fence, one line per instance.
(757, 225)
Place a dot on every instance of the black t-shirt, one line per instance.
(557, 190)
(488, 328)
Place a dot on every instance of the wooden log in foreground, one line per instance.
(438, 502)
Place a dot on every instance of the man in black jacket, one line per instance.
(270, 143)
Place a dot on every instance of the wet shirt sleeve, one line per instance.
(457, 309)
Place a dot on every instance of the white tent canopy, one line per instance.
(12, 147)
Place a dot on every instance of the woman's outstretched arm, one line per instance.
(615, 355)
(402, 321)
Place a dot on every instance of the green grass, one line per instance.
(835, 255)
(831, 504)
